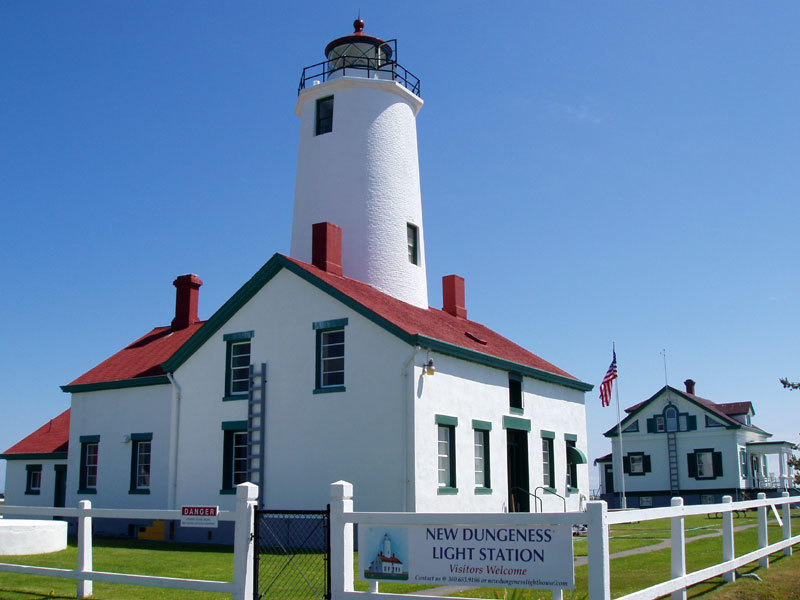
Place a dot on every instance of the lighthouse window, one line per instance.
(412, 232)
(324, 119)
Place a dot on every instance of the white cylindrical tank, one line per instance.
(358, 168)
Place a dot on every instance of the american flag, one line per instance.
(608, 381)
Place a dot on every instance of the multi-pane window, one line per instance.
(671, 414)
(239, 467)
(572, 466)
(324, 117)
(548, 475)
(705, 464)
(481, 441)
(331, 358)
(412, 233)
(140, 462)
(446, 456)
(88, 466)
(235, 467)
(660, 423)
(637, 464)
(33, 484)
(239, 367)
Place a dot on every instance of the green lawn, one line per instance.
(201, 561)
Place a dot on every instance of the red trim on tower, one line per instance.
(326, 247)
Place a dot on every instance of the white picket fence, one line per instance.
(597, 518)
(241, 588)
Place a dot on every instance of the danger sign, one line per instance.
(199, 516)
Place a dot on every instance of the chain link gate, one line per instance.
(291, 555)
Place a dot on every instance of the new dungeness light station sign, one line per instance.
(534, 556)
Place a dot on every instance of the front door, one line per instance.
(608, 471)
(518, 482)
(754, 470)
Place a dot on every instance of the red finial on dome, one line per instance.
(358, 24)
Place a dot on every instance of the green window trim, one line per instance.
(238, 336)
(142, 437)
(230, 429)
(516, 423)
(483, 491)
(446, 491)
(137, 440)
(482, 425)
(89, 439)
(570, 437)
(30, 478)
(234, 426)
(576, 456)
(330, 324)
(445, 420)
(325, 330)
(238, 340)
(227, 491)
(85, 491)
(573, 490)
(549, 490)
(547, 434)
(323, 116)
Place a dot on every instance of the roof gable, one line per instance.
(720, 412)
(147, 360)
(138, 363)
(50, 438)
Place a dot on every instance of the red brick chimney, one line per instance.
(326, 247)
(689, 383)
(188, 287)
(453, 299)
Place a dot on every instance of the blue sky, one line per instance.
(598, 172)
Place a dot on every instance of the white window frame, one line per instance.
(481, 445)
(143, 453)
(705, 469)
(239, 373)
(239, 469)
(636, 464)
(325, 362)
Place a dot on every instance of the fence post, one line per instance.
(341, 558)
(763, 539)
(787, 524)
(84, 549)
(728, 552)
(246, 497)
(678, 547)
(597, 551)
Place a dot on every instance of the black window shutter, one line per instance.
(626, 464)
(691, 422)
(691, 463)
(717, 458)
(651, 425)
(646, 463)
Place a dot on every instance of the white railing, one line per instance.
(241, 588)
(598, 520)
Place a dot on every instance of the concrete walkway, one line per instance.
(582, 560)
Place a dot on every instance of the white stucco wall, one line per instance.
(114, 414)
(364, 177)
(312, 439)
(468, 391)
(17, 478)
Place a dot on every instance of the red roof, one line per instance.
(389, 559)
(51, 437)
(432, 322)
(142, 358)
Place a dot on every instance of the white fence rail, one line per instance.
(596, 518)
(241, 588)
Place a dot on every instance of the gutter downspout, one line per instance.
(175, 433)
(408, 427)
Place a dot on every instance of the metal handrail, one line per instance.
(550, 490)
(371, 65)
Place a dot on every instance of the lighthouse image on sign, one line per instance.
(358, 167)
(386, 565)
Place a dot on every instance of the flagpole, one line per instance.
(623, 501)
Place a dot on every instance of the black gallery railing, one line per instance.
(360, 66)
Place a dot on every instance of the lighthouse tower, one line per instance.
(357, 164)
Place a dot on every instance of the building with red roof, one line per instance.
(677, 443)
(36, 466)
(329, 364)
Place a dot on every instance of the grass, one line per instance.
(628, 574)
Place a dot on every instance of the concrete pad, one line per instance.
(30, 536)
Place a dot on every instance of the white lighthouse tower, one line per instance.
(357, 164)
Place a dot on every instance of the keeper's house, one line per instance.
(676, 443)
(329, 363)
